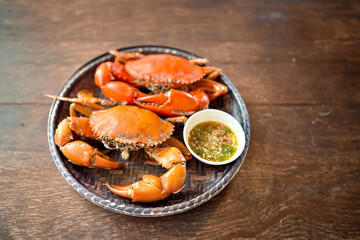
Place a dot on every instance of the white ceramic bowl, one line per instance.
(218, 116)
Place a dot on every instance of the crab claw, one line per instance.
(112, 78)
(212, 88)
(172, 103)
(201, 97)
(147, 190)
(173, 180)
(63, 133)
(152, 188)
(120, 91)
(170, 158)
(83, 154)
(110, 71)
(79, 152)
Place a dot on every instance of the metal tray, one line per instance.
(203, 181)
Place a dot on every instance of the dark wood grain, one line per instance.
(295, 63)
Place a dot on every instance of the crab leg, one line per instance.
(79, 108)
(212, 88)
(212, 72)
(152, 188)
(125, 57)
(199, 61)
(89, 102)
(177, 119)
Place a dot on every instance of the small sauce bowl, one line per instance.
(217, 116)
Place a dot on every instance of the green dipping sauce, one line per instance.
(213, 141)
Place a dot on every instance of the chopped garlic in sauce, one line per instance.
(213, 141)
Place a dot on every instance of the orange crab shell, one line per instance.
(130, 125)
(164, 69)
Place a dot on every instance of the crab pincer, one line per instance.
(152, 188)
(80, 152)
(174, 102)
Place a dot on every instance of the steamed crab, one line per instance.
(166, 76)
(124, 128)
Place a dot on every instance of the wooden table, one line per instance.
(296, 64)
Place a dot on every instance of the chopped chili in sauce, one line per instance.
(213, 141)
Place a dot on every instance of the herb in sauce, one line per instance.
(213, 141)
